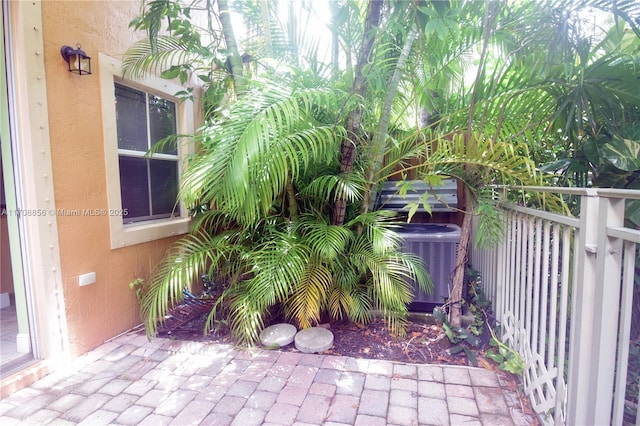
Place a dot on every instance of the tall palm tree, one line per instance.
(350, 144)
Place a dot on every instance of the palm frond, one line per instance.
(326, 241)
(142, 58)
(328, 188)
(491, 224)
(340, 300)
(277, 266)
(182, 265)
(309, 295)
(269, 139)
(482, 162)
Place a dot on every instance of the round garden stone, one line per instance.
(278, 335)
(314, 339)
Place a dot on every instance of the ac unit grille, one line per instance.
(438, 252)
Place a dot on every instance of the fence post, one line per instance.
(606, 309)
(579, 385)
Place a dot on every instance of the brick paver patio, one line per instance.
(131, 381)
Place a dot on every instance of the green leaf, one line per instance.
(471, 357)
(591, 151)
(632, 212)
(472, 340)
(413, 208)
(467, 336)
(456, 349)
(612, 177)
(499, 359)
(559, 165)
(513, 365)
(624, 154)
(184, 76)
(171, 73)
(452, 337)
(424, 200)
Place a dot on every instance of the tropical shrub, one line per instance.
(287, 166)
(263, 183)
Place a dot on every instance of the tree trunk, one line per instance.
(293, 36)
(266, 23)
(378, 145)
(455, 312)
(335, 40)
(354, 119)
(291, 198)
(235, 62)
(455, 298)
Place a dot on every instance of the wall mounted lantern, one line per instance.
(79, 62)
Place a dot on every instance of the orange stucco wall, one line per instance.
(102, 310)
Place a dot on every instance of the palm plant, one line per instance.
(293, 152)
(557, 86)
(265, 226)
(530, 88)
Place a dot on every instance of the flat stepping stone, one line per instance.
(278, 335)
(314, 340)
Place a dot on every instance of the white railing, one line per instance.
(562, 293)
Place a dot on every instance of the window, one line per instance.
(148, 186)
(137, 114)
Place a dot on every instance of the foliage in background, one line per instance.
(506, 358)
(484, 326)
(266, 178)
(632, 398)
(462, 340)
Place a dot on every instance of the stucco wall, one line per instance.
(102, 310)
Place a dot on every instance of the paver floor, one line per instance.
(131, 381)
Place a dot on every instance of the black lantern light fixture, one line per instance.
(79, 62)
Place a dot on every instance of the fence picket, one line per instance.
(562, 290)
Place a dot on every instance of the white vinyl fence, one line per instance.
(562, 293)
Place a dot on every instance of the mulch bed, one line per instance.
(424, 342)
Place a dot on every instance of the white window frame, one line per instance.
(124, 235)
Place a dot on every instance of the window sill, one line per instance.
(143, 232)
